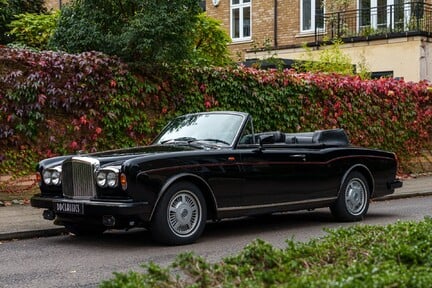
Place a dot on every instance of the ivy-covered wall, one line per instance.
(55, 103)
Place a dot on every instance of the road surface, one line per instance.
(68, 261)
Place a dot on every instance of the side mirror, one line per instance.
(260, 146)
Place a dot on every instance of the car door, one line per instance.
(285, 175)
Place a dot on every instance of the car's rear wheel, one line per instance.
(180, 215)
(353, 200)
(84, 229)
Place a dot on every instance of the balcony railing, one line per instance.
(412, 18)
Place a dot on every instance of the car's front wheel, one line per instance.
(180, 215)
(353, 200)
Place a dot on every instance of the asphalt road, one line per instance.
(68, 261)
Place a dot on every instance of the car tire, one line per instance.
(180, 215)
(353, 200)
(84, 230)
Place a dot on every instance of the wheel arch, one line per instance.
(364, 170)
(204, 187)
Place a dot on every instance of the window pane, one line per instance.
(399, 14)
(235, 2)
(246, 22)
(382, 13)
(307, 17)
(399, 6)
(235, 23)
(247, 134)
(417, 9)
(365, 12)
(319, 13)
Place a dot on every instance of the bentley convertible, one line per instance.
(210, 166)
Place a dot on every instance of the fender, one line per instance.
(362, 168)
(179, 177)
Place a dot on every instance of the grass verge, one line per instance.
(397, 255)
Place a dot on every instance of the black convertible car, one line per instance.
(209, 166)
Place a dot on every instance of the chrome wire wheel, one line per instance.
(184, 213)
(356, 196)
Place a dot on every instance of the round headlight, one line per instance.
(47, 174)
(111, 179)
(56, 177)
(101, 179)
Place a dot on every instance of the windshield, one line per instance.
(219, 128)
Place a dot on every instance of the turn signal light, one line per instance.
(38, 178)
(123, 181)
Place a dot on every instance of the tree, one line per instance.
(149, 34)
(86, 25)
(210, 45)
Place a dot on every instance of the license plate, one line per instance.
(69, 208)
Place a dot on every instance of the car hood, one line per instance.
(118, 156)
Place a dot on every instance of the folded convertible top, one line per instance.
(333, 137)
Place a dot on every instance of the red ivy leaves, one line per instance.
(383, 113)
(82, 101)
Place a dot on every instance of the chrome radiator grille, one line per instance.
(78, 177)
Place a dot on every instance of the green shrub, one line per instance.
(34, 30)
(332, 60)
(210, 43)
(10, 8)
(328, 59)
(397, 255)
(27, 6)
(148, 34)
(83, 27)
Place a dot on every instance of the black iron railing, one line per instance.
(412, 18)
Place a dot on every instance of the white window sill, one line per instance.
(241, 41)
(308, 33)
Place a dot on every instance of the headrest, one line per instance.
(333, 137)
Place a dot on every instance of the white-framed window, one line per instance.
(241, 13)
(311, 15)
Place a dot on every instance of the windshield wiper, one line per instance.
(182, 139)
(189, 140)
(213, 140)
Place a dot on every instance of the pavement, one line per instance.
(24, 221)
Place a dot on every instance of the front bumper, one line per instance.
(95, 207)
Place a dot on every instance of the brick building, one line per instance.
(393, 37)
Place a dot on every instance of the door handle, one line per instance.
(299, 156)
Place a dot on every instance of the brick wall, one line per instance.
(289, 23)
(263, 11)
(263, 24)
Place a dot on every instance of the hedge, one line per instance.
(56, 103)
(385, 113)
(396, 255)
